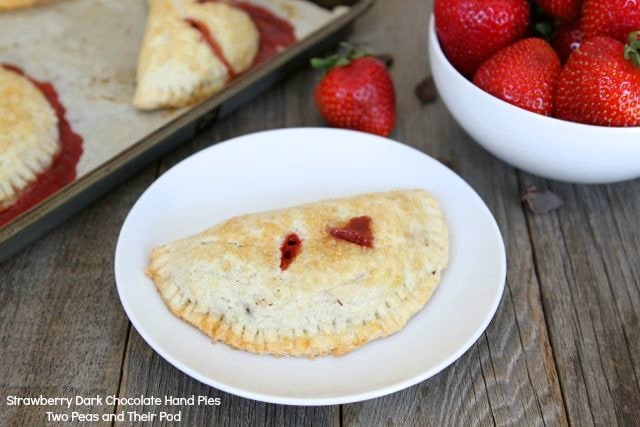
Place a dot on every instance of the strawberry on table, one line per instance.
(562, 10)
(524, 74)
(613, 18)
(600, 84)
(356, 93)
(470, 31)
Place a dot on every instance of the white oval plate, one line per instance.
(281, 168)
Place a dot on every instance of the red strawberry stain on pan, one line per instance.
(276, 34)
(63, 169)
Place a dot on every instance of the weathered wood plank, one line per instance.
(588, 270)
(62, 330)
(508, 377)
(146, 373)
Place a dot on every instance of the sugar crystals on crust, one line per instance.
(334, 296)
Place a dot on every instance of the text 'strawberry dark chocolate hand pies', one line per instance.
(191, 50)
(317, 279)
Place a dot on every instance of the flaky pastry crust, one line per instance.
(176, 66)
(29, 136)
(334, 297)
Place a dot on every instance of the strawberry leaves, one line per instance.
(632, 49)
(349, 53)
(356, 91)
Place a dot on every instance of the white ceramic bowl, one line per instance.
(541, 145)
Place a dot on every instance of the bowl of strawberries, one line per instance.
(549, 86)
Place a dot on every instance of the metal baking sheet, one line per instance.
(88, 49)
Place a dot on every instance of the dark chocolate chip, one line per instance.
(540, 201)
(426, 90)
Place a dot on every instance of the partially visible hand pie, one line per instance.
(191, 50)
(29, 139)
(322, 278)
(39, 151)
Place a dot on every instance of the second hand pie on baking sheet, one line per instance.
(317, 279)
(39, 150)
(190, 51)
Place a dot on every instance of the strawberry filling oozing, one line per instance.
(357, 231)
(275, 33)
(289, 250)
(213, 44)
(63, 168)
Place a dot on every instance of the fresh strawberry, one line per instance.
(356, 93)
(562, 10)
(613, 18)
(600, 84)
(568, 38)
(524, 74)
(470, 31)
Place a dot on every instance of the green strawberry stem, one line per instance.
(351, 53)
(542, 24)
(632, 49)
(546, 29)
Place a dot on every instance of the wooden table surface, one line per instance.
(562, 349)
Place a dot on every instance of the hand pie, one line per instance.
(20, 4)
(322, 278)
(190, 50)
(29, 138)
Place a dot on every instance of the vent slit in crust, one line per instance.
(380, 288)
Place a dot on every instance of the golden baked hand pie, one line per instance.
(322, 278)
(191, 50)
(20, 4)
(29, 138)
(39, 151)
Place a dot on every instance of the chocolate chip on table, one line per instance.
(540, 201)
(385, 58)
(426, 90)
